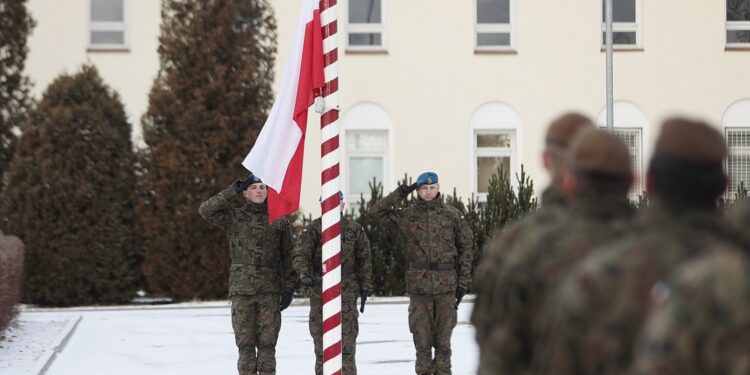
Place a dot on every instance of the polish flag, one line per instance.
(277, 154)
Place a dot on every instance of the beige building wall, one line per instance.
(429, 83)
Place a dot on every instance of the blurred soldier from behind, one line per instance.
(597, 183)
(356, 280)
(437, 243)
(599, 309)
(557, 140)
(699, 323)
(261, 278)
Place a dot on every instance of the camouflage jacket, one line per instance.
(592, 322)
(552, 212)
(261, 253)
(436, 241)
(699, 323)
(517, 293)
(356, 258)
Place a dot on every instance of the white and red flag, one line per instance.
(277, 154)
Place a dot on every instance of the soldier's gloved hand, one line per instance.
(363, 297)
(307, 281)
(405, 190)
(460, 293)
(237, 186)
(285, 301)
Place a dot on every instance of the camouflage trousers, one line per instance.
(256, 321)
(431, 322)
(349, 331)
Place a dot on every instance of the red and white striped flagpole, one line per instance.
(330, 186)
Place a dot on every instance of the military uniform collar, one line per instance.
(431, 205)
(254, 208)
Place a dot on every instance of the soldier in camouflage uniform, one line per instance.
(356, 280)
(437, 243)
(553, 211)
(699, 323)
(597, 182)
(261, 278)
(596, 314)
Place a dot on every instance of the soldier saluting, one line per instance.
(261, 278)
(437, 243)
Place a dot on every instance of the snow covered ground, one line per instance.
(198, 339)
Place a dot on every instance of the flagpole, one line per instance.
(330, 186)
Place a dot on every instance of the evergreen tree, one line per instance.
(206, 107)
(15, 26)
(69, 195)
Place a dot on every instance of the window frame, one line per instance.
(636, 27)
(350, 197)
(496, 28)
(373, 28)
(734, 26)
(107, 26)
(478, 152)
(731, 190)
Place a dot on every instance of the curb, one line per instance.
(45, 361)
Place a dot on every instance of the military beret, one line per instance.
(691, 140)
(599, 151)
(427, 178)
(562, 130)
(249, 180)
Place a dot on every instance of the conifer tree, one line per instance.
(206, 107)
(15, 26)
(69, 195)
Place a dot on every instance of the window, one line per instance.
(494, 150)
(365, 25)
(495, 140)
(366, 153)
(632, 127)
(107, 24)
(625, 24)
(494, 31)
(738, 160)
(632, 138)
(738, 23)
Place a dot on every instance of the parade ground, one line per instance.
(197, 338)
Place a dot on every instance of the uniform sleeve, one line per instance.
(303, 250)
(385, 210)
(217, 210)
(287, 248)
(465, 246)
(364, 261)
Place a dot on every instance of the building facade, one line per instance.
(459, 87)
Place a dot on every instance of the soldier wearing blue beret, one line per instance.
(437, 243)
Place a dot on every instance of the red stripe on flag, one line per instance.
(332, 350)
(330, 233)
(330, 203)
(331, 264)
(286, 201)
(331, 57)
(329, 118)
(331, 87)
(330, 173)
(329, 146)
(330, 29)
(325, 4)
(331, 322)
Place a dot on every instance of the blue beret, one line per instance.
(427, 178)
(249, 180)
